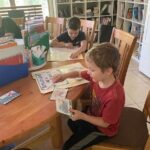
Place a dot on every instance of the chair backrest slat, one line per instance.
(88, 26)
(125, 42)
(55, 26)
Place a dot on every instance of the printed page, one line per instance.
(63, 106)
(44, 78)
(61, 54)
(58, 94)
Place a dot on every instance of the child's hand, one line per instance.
(57, 78)
(74, 55)
(76, 114)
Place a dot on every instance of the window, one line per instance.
(4, 3)
(44, 4)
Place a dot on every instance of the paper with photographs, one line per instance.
(58, 94)
(61, 54)
(63, 106)
(44, 78)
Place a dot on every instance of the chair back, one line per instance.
(55, 26)
(125, 42)
(88, 26)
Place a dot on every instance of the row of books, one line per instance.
(135, 12)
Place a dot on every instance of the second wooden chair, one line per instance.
(55, 26)
(88, 27)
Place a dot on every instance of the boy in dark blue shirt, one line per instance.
(73, 37)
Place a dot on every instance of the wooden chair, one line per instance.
(125, 42)
(133, 132)
(88, 27)
(55, 26)
(147, 146)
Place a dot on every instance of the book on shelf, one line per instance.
(106, 9)
(129, 13)
(140, 12)
(135, 13)
(122, 8)
(136, 30)
(105, 20)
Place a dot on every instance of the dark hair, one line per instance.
(105, 55)
(74, 23)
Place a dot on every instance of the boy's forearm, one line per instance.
(73, 74)
(82, 48)
(57, 43)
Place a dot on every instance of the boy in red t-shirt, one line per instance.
(101, 120)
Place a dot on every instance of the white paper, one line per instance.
(61, 54)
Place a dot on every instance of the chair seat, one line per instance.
(135, 134)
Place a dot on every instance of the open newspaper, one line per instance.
(44, 78)
(61, 54)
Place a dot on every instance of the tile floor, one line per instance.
(136, 86)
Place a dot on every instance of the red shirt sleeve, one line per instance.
(84, 74)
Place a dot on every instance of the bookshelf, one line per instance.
(103, 11)
(131, 16)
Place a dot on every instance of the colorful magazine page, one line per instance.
(58, 93)
(9, 96)
(63, 106)
(44, 78)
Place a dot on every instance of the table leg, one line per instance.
(57, 137)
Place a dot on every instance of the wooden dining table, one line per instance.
(32, 110)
